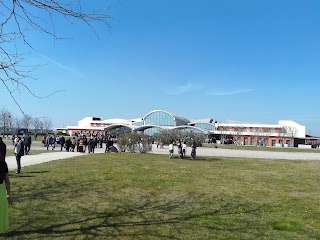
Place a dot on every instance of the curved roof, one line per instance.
(207, 120)
(114, 126)
(191, 127)
(144, 127)
(175, 117)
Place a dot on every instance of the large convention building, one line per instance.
(285, 133)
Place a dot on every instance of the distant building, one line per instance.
(285, 133)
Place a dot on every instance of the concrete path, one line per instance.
(214, 152)
(219, 152)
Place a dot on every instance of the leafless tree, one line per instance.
(47, 124)
(291, 132)
(16, 124)
(237, 135)
(18, 18)
(36, 123)
(281, 134)
(264, 133)
(26, 121)
(5, 118)
(223, 134)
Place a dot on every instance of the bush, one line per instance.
(133, 142)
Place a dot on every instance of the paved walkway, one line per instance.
(214, 152)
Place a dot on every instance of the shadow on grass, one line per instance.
(200, 158)
(147, 220)
(26, 174)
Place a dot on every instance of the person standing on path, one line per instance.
(171, 150)
(5, 197)
(19, 152)
(3, 150)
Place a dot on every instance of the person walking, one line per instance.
(180, 149)
(19, 152)
(73, 144)
(48, 139)
(27, 143)
(62, 141)
(68, 144)
(3, 150)
(52, 141)
(193, 151)
(108, 145)
(5, 196)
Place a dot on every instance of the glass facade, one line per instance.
(205, 126)
(138, 124)
(152, 131)
(160, 119)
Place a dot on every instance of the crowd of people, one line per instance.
(79, 143)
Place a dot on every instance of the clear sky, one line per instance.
(249, 60)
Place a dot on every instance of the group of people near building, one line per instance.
(182, 149)
(79, 143)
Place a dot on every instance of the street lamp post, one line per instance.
(4, 126)
(10, 126)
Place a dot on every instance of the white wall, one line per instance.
(301, 130)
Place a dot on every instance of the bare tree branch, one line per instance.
(18, 17)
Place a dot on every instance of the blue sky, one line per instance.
(250, 61)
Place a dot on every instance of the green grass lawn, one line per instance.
(147, 196)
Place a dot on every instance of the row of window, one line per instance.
(248, 129)
(160, 119)
(264, 141)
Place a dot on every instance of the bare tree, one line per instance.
(26, 121)
(281, 134)
(264, 133)
(36, 123)
(16, 123)
(19, 17)
(237, 135)
(5, 118)
(291, 132)
(223, 134)
(47, 124)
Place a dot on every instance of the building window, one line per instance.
(273, 142)
(288, 142)
(204, 126)
(252, 141)
(245, 141)
(159, 118)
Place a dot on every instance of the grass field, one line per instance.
(147, 196)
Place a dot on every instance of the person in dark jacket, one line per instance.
(68, 144)
(3, 150)
(27, 143)
(62, 141)
(19, 152)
